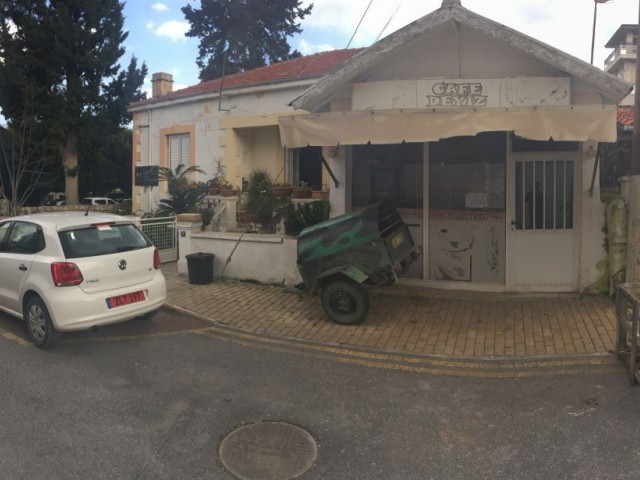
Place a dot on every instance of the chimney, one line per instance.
(161, 84)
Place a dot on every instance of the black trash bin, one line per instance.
(200, 268)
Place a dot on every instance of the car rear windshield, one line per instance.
(101, 239)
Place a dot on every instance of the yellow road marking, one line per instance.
(509, 367)
(15, 338)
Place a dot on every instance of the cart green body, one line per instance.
(371, 246)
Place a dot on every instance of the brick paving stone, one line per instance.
(460, 325)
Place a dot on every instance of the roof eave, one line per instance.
(169, 99)
(318, 94)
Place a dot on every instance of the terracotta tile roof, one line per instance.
(625, 115)
(311, 66)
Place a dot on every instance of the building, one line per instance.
(485, 139)
(622, 61)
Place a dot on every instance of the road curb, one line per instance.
(484, 367)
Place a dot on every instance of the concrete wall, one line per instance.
(249, 136)
(268, 259)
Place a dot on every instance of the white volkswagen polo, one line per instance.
(64, 271)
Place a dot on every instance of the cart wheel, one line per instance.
(345, 302)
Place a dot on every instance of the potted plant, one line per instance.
(286, 210)
(260, 199)
(297, 216)
(282, 190)
(320, 194)
(206, 213)
(184, 194)
(302, 190)
(226, 188)
(212, 186)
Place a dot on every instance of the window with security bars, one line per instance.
(179, 150)
(544, 195)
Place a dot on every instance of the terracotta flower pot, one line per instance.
(301, 193)
(282, 192)
(319, 194)
(227, 192)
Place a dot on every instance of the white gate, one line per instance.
(163, 233)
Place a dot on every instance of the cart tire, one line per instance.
(345, 302)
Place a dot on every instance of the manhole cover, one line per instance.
(268, 450)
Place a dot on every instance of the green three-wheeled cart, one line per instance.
(338, 257)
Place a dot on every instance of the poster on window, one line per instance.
(466, 246)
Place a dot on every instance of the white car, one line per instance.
(64, 271)
(98, 201)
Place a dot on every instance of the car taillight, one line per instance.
(65, 274)
(156, 259)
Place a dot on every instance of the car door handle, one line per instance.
(23, 267)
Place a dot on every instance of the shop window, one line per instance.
(544, 195)
(468, 173)
(520, 144)
(467, 209)
(387, 173)
(308, 167)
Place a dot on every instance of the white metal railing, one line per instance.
(622, 51)
(163, 234)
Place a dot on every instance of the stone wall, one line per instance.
(62, 208)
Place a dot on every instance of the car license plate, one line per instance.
(397, 240)
(126, 299)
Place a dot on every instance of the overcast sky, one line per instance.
(157, 28)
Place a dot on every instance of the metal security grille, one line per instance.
(544, 195)
(163, 233)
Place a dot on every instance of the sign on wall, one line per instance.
(146, 176)
(462, 93)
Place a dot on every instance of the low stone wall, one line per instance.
(63, 208)
(269, 259)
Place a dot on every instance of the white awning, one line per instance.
(562, 123)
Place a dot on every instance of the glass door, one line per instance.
(467, 209)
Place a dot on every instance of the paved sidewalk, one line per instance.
(412, 321)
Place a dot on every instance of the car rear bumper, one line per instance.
(72, 309)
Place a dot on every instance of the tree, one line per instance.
(243, 34)
(66, 51)
(184, 194)
(23, 162)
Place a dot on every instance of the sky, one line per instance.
(157, 27)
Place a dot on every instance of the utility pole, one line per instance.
(633, 236)
(593, 33)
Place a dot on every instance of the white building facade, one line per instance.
(484, 138)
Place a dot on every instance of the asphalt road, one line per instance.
(143, 402)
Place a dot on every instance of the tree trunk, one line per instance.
(70, 163)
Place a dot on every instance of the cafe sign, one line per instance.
(462, 93)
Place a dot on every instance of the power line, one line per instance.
(389, 21)
(358, 26)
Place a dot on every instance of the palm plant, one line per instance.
(184, 194)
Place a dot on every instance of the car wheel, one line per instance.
(39, 325)
(148, 315)
(345, 302)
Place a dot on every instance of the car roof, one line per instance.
(64, 220)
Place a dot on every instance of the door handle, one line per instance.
(22, 267)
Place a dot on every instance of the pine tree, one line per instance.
(243, 34)
(60, 57)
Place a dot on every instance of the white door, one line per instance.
(542, 211)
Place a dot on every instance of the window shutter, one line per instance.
(179, 150)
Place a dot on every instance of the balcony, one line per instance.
(623, 52)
